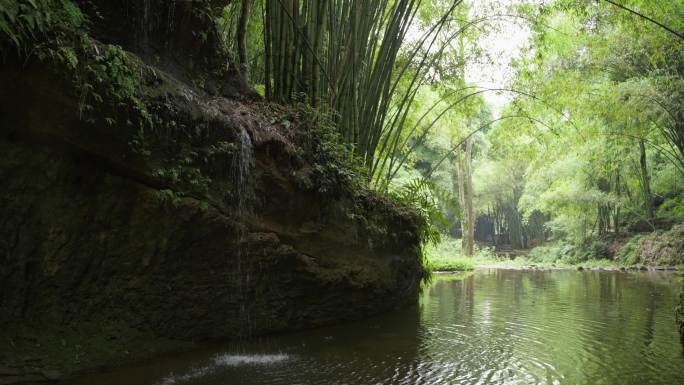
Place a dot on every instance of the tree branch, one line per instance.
(679, 35)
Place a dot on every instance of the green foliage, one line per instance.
(672, 208)
(370, 72)
(571, 254)
(447, 247)
(114, 71)
(56, 31)
(113, 76)
(598, 249)
(445, 255)
(333, 163)
(558, 252)
(592, 141)
(185, 173)
(24, 21)
(421, 194)
(605, 146)
(629, 253)
(657, 248)
(168, 197)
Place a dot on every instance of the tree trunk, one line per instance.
(470, 237)
(616, 217)
(267, 21)
(241, 36)
(464, 180)
(646, 181)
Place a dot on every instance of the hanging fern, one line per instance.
(23, 21)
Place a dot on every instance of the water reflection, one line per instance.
(504, 326)
(492, 327)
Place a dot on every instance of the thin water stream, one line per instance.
(492, 327)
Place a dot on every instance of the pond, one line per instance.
(490, 327)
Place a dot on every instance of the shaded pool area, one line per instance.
(489, 327)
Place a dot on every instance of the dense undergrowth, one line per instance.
(659, 248)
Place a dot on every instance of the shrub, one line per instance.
(598, 249)
(672, 208)
(657, 248)
(629, 252)
(555, 253)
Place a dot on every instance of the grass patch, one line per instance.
(450, 264)
(446, 256)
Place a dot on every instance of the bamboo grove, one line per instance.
(348, 57)
(392, 74)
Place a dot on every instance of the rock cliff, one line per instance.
(139, 217)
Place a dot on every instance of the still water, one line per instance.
(491, 327)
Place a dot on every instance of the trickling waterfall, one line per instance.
(242, 165)
(171, 16)
(153, 19)
(145, 25)
(241, 170)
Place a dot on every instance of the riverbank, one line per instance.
(458, 264)
(661, 250)
(601, 265)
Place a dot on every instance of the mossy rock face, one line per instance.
(679, 311)
(179, 37)
(143, 227)
(680, 316)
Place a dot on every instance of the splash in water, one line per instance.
(251, 359)
(224, 360)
